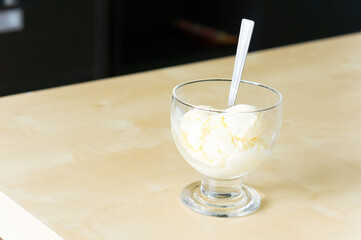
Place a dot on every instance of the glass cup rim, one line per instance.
(225, 80)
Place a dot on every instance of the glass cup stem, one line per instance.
(221, 197)
(221, 189)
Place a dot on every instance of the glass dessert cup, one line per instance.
(224, 145)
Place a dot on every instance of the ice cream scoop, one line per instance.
(221, 140)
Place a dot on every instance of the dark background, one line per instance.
(70, 41)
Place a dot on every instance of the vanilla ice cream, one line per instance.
(224, 145)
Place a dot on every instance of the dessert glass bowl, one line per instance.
(246, 136)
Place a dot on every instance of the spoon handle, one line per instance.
(242, 49)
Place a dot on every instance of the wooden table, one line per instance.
(97, 160)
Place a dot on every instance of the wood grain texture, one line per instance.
(97, 160)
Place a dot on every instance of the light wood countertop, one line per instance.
(97, 160)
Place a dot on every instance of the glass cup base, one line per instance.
(221, 205)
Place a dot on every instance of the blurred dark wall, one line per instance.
(61, 42)
(287, 22)
(70, 41)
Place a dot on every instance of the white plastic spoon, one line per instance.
(244, 39)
